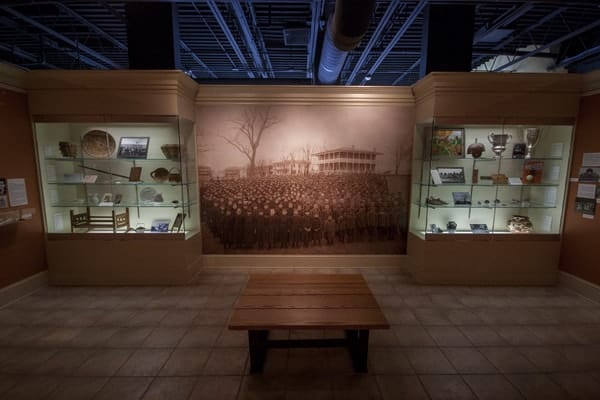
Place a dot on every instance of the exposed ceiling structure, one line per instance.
(278, 41)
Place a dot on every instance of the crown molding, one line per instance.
(498, 97)
(304, 95)
(114, 92)
(12, 77)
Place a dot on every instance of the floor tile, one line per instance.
(400, 316)
(230, 338)
(582, 385)
(448, 336)
(200, 336)
(257, 387)
(78, 388)
(404, 387)
(431, 316)
(164, 337)
(185, 362)
(537, 387)
(444, 387)
(309, 361)
(129, 337)
(145, 362)
(468, 361)
(547, 359)
(216, 387)
(429, 361)
(170, 388)
(179, 318)
(104, 362)
(389, 362)
(492, 387)
(25, 360)
(363, 387)
(123, 388)
(64, 362)
(482, 336)
(226, 362)
(146, 318)
(96, 336)
(508, 360)
(518, 335)
(412, 336)
(32, 387)
(212, 317)
(463, 317)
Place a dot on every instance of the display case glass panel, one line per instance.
(489, 179)
(118, 177)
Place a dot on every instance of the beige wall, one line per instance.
(581, 236)
(22, 251)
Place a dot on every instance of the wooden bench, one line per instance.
(316, 301)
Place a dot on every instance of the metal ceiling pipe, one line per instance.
(345, 29)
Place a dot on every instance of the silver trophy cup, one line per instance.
(498, 142)
(532, 137)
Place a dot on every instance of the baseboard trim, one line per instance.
(23, 287)
(304, 261)
(581, 286)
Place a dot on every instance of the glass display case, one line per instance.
(119, 177)
(489, 179)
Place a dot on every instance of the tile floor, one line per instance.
(446, 342)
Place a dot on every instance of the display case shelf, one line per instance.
(121, 205)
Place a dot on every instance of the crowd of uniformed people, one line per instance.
(301, 210)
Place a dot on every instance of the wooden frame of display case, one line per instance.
(459, 99)
(118, 97)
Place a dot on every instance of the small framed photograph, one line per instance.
(479, 228)
(588, 174)
(452, 174)
(133, 147)
(448, 142)
(178, 222)
(461, 198)
(160, 225)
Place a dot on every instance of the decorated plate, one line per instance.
(98, 144)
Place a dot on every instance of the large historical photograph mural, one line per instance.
(304, 179)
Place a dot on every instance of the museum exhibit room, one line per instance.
(308, 199)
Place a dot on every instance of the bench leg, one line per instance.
(358, 346)
(257, 343)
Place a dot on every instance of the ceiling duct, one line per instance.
(345, 29)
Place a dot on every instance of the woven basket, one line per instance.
(171, 151)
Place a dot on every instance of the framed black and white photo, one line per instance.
(133, 147)
(452, 174)
(461, 198)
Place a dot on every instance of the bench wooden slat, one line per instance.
(281, 291)
(316, 301)
(320, 318)
(306, 278)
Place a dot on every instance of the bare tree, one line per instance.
(401, 150)
(251, 127)
(306, 153)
